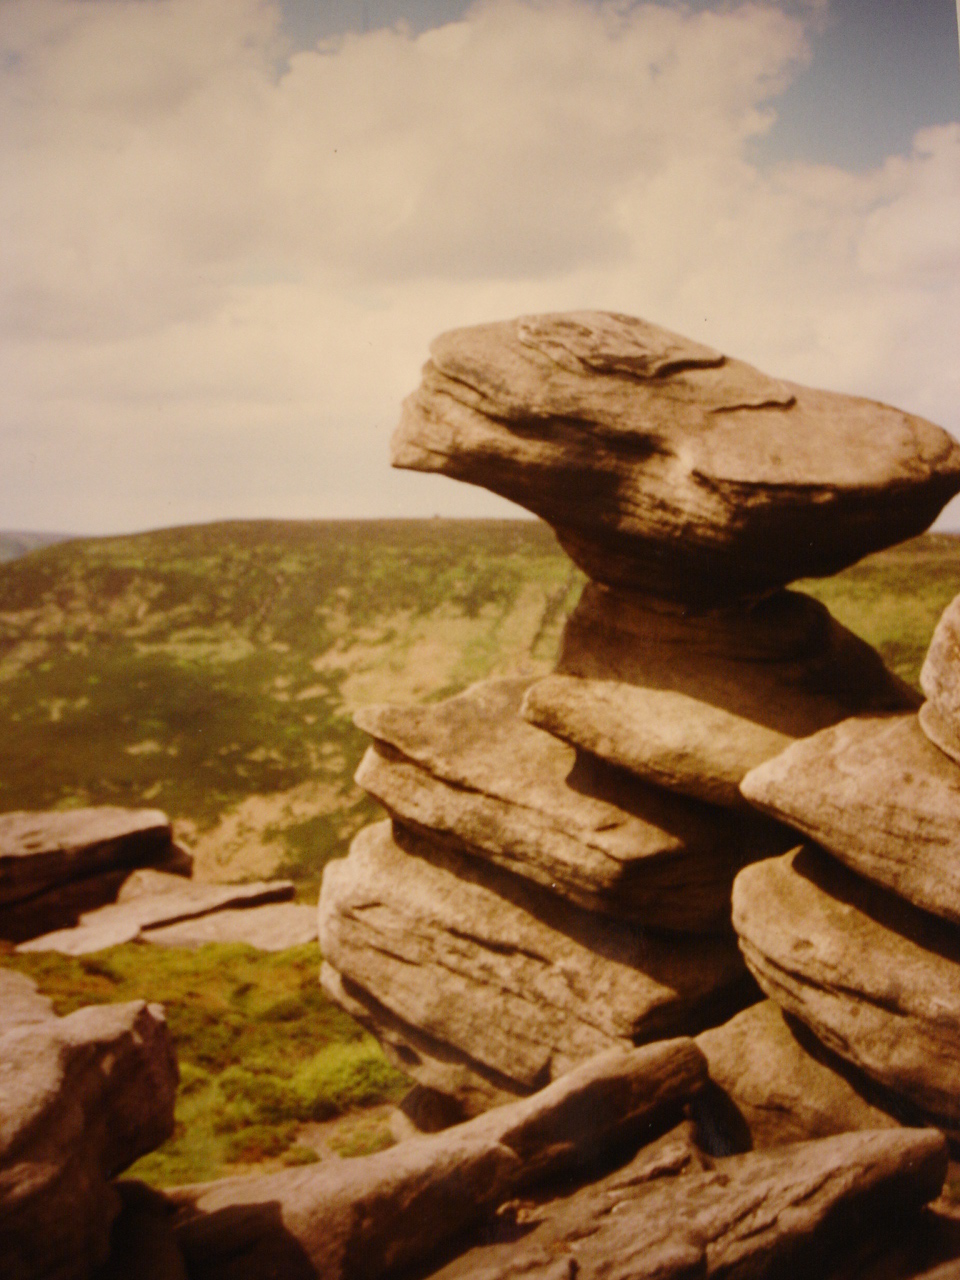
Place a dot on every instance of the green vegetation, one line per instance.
(262, 1052)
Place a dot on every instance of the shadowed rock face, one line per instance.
(666, 466)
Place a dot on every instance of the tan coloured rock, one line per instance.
(520, 984)
(881, 798)
(692, 702)
(940, 681)
(791, 1213)
(772, 1082)
(81, 1098)
(150, 899)
(664, 465)
(471, 772)
(276, 926)
(874, 979)
(376, 1214)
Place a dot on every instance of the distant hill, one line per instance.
(14, 544)
(212, 670)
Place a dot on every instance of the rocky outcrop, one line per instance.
(81, 1098)
(666, 466)
(276, 926)
(940, 681)
(518, 985)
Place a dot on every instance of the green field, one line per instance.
(212, 671)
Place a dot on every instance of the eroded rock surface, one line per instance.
(940, 681)
(881, 798)
(666, 466)
(874, 979)
(275, 926)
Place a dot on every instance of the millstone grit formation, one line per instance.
(555, 877)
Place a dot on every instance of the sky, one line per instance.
(229, 229)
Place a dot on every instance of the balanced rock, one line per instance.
(371, 1216)
(519, 985)
(693, 701)
(881, 798)
(874, 979)
(940, 681)
(471, 772)
(56, 865)
(772, 1082)
(666, 466)
(81, 1098)
(149, 899)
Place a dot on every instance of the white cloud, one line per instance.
(216, 262)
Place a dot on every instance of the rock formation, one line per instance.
(558, 872)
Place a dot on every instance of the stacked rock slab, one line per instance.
(556, 876)
(858, 935)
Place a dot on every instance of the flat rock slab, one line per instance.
(693, 702)
(20, 1001)
(940, 681)
(375, 1214)
(81, 1098)
(521, 984)
(784, 1213)
(772, 1082)
(274, 927)
(41, 850)
(874, 979)
(879, 796)
(666, 466)
(150, 899)
(472, 772)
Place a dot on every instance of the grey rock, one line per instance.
(772, 1082)
(149, 899)
(365, 1217)
(692, 702)
(521, 984)
(876, 980)
(881, 798)
(20, 1001)
(471, 772)
(81, 1098)
(666, 466)
(940, 681)
(273, 927)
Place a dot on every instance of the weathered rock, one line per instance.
(273, 927)
(940, 681)
(20, 1001)
(53, 866)
(148, 900)
(520, 983)
(142, 1242)
(793, 1211)
(666, 466)
(471, 772)
(881, 798)
(692, 702)
(772, 1082)
(81, 1098)
(876, 980)
(371, 1215)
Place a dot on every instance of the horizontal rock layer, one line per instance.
(940, 681)
(666, 466)
(470, 772)
(520, 984)
(881, 798)
(692, 702)
(875, 980)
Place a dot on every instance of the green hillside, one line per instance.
(212, 670)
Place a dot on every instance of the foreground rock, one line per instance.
(772, 1082)
(881, 798)
(471, 772)
(666, 466)
(364, 1217)
(940, 681)
(150, 899)
(53, 866)
(518, 985)
(792, 1212)
(877, 981)
(692, 702)
(81, 1098)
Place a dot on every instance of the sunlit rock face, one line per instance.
(666, 466)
